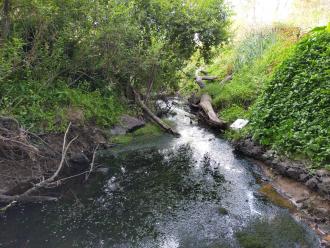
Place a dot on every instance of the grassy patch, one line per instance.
(149, 130)
(51, 108)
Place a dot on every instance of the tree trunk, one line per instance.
(5, 22)
(227, 79)
(152, 116)
(208, 114)
(212, 117)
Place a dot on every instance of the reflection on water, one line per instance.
(164, 192)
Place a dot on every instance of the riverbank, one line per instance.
(190, 191)
(318, 180)
(68, 156)
(304, 203)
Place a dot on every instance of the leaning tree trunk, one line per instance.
(152, 116)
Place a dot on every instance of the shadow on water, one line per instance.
(186, 192)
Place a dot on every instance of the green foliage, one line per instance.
(66, 53)
(47, 109)
(293, 114)
(252, 68)
(233, 113)
(149, 130)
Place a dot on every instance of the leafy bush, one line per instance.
(293, 114)
(65, 55)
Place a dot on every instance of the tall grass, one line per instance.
(252, 62)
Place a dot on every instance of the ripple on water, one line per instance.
(185, 192)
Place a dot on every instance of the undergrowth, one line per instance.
(293, 114)
(51, 108)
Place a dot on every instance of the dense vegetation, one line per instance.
(293, 114)
(281, 86)
(78, 58)
(251, 62)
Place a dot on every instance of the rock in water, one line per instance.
(131, 123)
(127, 124)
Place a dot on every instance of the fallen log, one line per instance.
(209, 78)
(24, 198)
(212, 118)
(205, 103)
(152, 116)
(227, 79)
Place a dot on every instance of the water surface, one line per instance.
(166, 192)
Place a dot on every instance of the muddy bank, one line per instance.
(28, 159)
(303, 203)
(21, 172)
(306, 194)
(297, 170)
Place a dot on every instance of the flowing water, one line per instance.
(166, 192)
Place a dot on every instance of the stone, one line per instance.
(103, 170)
(118, 130)
(294, 172)
(312, 183)
(127, 124)
(131, 123)
(323, 173)
(79, 158)
(303, 177)
(324, 186)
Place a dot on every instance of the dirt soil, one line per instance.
(17, 173)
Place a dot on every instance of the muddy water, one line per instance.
(166, 192)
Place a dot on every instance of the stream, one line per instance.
(191, 191)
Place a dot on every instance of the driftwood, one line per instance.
(152, 116)
(212, 117)
(227, 79)
(205, 104)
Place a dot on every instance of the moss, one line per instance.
(149, 129)
(123, 139)
(268, 191)
(223, 211)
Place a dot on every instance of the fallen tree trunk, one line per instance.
(212, 118)
(209, 78)
(227, 79)
(205, 103)
(25, 198)
(152, 116)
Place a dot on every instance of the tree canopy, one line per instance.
(101, 45)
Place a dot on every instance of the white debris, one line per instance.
(239, 124)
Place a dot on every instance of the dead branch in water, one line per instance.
(28, 196)
(92, 163)
(152, 116)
